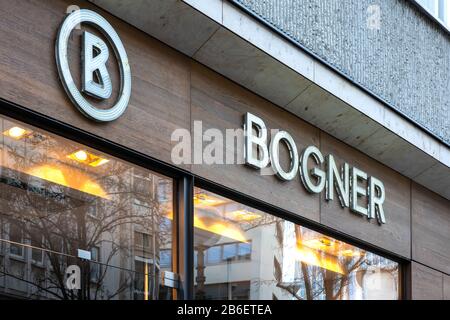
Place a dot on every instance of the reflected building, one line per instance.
(244, 253)
(58, 197)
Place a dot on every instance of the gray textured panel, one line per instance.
(406, 62)
(237, 59)
(332, 115)
(437, 179)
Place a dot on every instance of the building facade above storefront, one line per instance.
(223, 37)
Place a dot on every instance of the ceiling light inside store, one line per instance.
(68, 177)
(217, 225)
(16, 133)
(318, 258)
(99, 162)
(221, 227)
(243, 215)
(323, 244)
(80, 155)
(87, 158)
(203, 199)
(350, 253)
(335, 248)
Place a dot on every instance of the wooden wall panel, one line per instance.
(430, 229)
(28, 76)
(395, 234)
(446, 287)
(221, 104)
(426, 283)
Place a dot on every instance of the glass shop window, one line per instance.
(244, 253)
(58, 197)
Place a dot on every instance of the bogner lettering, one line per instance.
(348, 182)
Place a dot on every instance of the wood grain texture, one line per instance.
(446, 287)
(394, 235)
(221, 104)
(426, 283)
(28, 76)
(430, 229)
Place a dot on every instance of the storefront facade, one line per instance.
(102, 210)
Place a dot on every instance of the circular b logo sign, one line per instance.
(95, 79)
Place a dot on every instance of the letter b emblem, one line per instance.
(94, 57)
(95, 79)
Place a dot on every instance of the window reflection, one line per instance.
(243, 253)
(57, 197)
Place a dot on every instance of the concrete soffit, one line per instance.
(226, 39)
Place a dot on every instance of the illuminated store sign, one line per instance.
(347, 181)
(95, 79)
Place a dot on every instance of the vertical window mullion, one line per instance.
(185, 241)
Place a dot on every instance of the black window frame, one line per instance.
(184, 183)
